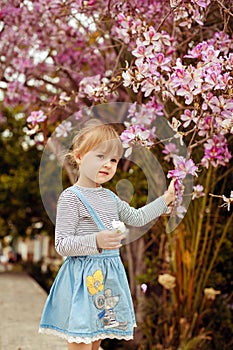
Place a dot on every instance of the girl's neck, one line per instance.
(81, 185)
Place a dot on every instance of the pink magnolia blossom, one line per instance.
(170, 150)
(183, 167)
(94, 87)
(196, 51)
(198, 191)
(222, 41)
(220, 105)
(186, 81)
(205, 51)
(36, 117)
(155, 105)
(187, 93)
(174, 3)
(142, 52)
(159, 40)
(202, 3)
(181, 16)
(136, 135)
(223, 81)
(160, 61)
(226, 125)
(63, 129)
(125, 27)
(23, 63)
(194, 12)
(150, 36)
(146, 114)
(142, 70)
(206, 97)
(205, 124)
(188, 116)
(151, 85)
(180, 76)
(216, 152)
(210, 54)
(175, 124)
(213, 79)
(180, 211)
(128, 78)
(153, 57)
(18, 93)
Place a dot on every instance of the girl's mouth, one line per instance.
(103, 173)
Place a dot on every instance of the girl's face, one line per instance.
(97, 166)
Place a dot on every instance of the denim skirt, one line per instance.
(90, 300)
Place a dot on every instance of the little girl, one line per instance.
(90, 298)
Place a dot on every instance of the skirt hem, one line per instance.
(85, 340)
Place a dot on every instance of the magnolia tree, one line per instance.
(170, 60)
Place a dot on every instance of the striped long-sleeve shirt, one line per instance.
(75, 231)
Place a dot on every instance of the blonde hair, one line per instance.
(92, 135)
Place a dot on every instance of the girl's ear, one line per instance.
(78, 159)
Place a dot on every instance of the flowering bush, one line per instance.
(174, 59)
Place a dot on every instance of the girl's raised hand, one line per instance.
(170, 194)
(109, 239)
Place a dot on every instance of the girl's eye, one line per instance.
(114, 160)
(100, 156)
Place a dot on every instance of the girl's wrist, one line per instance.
(168, 198)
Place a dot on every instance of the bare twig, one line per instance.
(225, 8)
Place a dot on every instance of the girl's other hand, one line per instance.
(109, 239)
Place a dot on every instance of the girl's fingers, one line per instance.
(114, 247)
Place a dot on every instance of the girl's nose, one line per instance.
(108, 163)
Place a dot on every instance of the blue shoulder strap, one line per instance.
(111, 193)
(88, 206)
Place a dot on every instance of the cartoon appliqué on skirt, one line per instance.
(105, 302)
